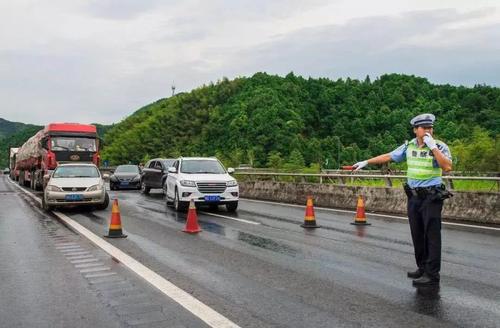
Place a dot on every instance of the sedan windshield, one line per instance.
(202, 166)
(127, 169)
(76, 172)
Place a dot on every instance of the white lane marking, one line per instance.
(84, 261)
(65, 244)
(27, 192)
(85, 255)
(95, 269)
(199, 309)
(88, 265)
(77, 253)
(230, 218)
(97, 275)
(193, 305)
(68, 247)
(369, 214)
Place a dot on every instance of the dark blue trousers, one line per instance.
(424, 215)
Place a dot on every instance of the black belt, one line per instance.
(439, 191)
(422, 191)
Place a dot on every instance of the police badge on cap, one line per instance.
(423, 120)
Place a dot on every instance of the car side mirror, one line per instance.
(172, 170)
(230, 170)
(46, 177)
(105, 176)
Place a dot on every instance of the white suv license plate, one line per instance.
(212, 198)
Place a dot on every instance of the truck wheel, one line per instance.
(145, 189)
(32, 181)
(20, 179)
(231, 207)
(38, 185)
(179, 206)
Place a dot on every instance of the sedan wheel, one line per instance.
(179, 205)
(145, 189)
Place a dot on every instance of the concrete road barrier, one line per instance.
(479, 207)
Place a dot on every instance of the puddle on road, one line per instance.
(266, 243)
(213, 227)
(152, 209)
(428, 302)
(360, 231)
(94, 218)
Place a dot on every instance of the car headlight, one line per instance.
(113, 178)
(188, 183)
(95, 188)
(52, 188)
(137, 177)
(232, 183)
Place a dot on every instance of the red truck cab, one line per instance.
(56, 143)
(70, 142)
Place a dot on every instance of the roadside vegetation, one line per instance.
(291, 123)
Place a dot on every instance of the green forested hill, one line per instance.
(8, 128)
(14, 134)
(290, 121)
(15, 138)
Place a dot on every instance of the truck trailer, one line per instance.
(14, 175)
(56, 143)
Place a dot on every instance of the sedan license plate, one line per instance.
(212, 198)
(74, 197)
(124, 183)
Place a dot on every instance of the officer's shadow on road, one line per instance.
(428, 301)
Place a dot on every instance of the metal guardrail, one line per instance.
(342, 178)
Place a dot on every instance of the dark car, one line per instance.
(154, 174)
(125, 177)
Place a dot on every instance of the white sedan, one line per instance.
(75, 184)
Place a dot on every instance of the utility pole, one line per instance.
(173, 89)
(338, 152)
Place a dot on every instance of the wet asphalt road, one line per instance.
(276, 274)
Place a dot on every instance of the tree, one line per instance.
(274, 160)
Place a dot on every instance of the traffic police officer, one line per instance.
(426, 159)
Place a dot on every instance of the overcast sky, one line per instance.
(100, 60)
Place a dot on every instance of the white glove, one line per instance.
(360, 165)
(429, 141)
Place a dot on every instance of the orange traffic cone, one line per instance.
(115, 224)
(360, 218)
(309, 218)
(192, 219)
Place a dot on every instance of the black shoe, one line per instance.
(415, 274)
(426, 281)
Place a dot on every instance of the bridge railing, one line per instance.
(484, 183)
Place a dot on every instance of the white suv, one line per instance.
(203, 179)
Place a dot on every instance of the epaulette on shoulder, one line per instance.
(440, 144)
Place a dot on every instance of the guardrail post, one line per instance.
(320, 179)
(341, 180)
(388, 181)
(449, 183)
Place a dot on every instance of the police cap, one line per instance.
(423, 120)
